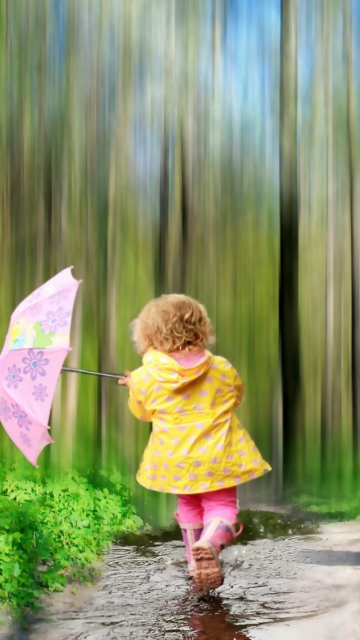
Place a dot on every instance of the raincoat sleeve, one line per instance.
(137, 403)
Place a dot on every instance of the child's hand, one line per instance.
(125, 381)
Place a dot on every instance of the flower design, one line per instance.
(25, 439)
(13, 376)
(35, 309)
(4, 409)
(55, 320)
(21, 416)
(40, 392)
(58, 297)
(35, 364)
(33, 297)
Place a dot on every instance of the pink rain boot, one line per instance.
(217, 534)
(190, 533)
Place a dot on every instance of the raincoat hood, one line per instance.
(172, 375)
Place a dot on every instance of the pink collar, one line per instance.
(188, 359)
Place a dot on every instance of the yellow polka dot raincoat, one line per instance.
(197, 443)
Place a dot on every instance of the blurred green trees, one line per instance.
(140, 142)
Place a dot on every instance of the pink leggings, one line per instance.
(201, 507)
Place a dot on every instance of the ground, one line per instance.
(298, 587)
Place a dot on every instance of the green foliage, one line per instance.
(53, 527)
(334, 508)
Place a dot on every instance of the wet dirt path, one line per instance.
(272, 587)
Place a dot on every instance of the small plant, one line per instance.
(54, 527)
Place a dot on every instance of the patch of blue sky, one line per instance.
(56, 44)
(241, 86)
(251, 77)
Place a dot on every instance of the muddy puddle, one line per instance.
(144, 592)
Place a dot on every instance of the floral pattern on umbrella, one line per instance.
(13, 377)
(35, 364)
(55, 320)
(35, 348)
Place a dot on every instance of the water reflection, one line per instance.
(212, 620)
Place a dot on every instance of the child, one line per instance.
(197, 450)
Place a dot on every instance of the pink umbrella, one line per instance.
(35, 348)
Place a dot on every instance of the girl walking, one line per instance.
(197, 450)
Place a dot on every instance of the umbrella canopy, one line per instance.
(35, 348)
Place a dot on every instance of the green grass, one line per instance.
(53, 528)
(334, 508)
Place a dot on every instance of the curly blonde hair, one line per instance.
(173, 322)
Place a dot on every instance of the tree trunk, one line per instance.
(184, 216)
(327, 421)
(354, 238)
(161, 258)
(289, 238)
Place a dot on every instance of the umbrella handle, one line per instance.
(94, 373)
